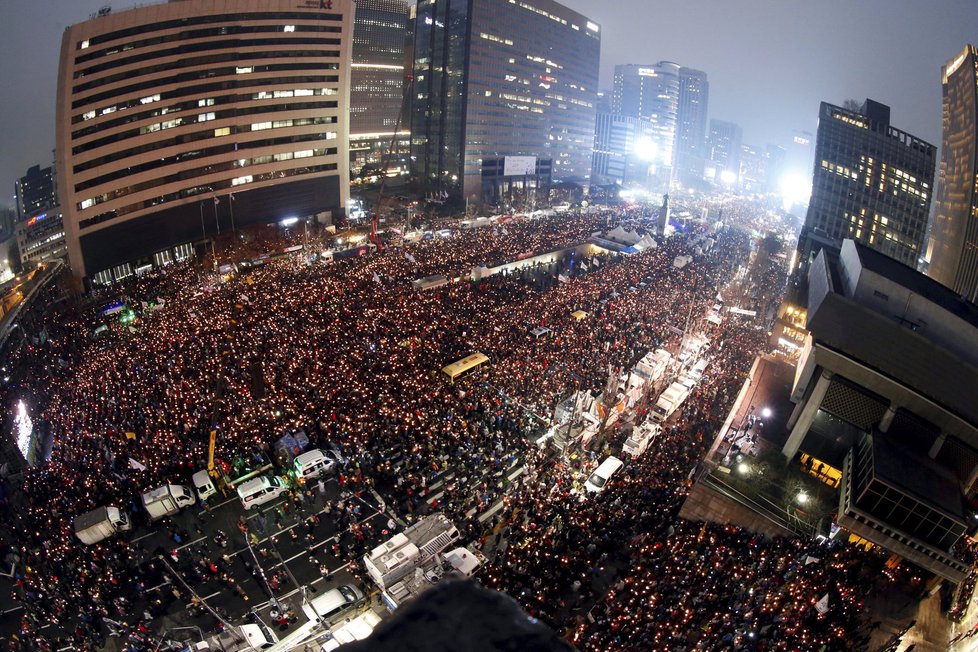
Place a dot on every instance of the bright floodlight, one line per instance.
(289, 221)
(645, 148)
(728, 177)
(795, 189)
(743, 468)
(766, 412)
(802, 498)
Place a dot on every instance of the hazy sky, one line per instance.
(769, 62)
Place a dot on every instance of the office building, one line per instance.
(725, 143)
(36, 191)
(651, 92)
(377, 87)
(494, 78)
(622, 150)
(884, 394)
(954, 250)
(872, 183)
(165, 110)
(694, 96)
(39, 230)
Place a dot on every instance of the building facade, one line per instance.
(496, 78)
(725, 141)
(883, 394)
(694, 98)
(651, 92)
(622, 150)
(165, 110)
(39, 230)
(872, 183)
(954, 250)
(377, 87)
(36, 191)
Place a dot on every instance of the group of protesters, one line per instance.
(350, 352)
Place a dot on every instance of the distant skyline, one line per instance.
(769, 62)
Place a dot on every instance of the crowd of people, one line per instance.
(350, 352)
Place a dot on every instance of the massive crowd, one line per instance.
(350, 353)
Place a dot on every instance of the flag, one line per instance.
(597, 263)
(409, 257)
(584, 267)
(822, 605)
(216, 201)
(133, 464)
(376, 278)
(810, 560)
(505, 232)
(562, 278)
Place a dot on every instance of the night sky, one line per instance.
(770, 62)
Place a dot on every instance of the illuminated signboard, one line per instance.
(515, 166)
(24, 430)
(37, 218)
(647, 72)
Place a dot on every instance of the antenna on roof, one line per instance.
(104, 11)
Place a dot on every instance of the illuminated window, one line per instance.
(205, 117)
(223, 131)
(242, 70)
(237, 181)
(84, 44)
(288, 28)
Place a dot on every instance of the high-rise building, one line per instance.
(40, 226)
(954, 251)
(884, 394)
(622, 149)
(694, 96)
(725, 143)
(165, 110)
(502, 80)
(651, 92)
(872, 183)
(377, 85)
(36, 191)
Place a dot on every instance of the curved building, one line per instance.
(183, 119)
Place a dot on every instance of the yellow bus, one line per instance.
(465, 365)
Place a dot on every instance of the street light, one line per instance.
(743, 468)
(802, 497)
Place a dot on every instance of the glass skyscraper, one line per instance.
(651, 92)
(694, 97)
(954, 255)
(377, 83)
(500, 78)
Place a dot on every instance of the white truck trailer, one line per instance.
(167, 500)
(100, 524)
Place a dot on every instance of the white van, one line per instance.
(596, 483)
(313, 462)
(261, 490)
(204, 485)
(327, 607)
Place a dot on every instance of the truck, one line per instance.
(398, 557)
(100, 524)
(167, 500)
(669, 400)
(458, 563)
(641, 437)
(653, 366)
